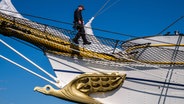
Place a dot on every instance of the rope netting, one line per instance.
(58, 41)
(160, 53)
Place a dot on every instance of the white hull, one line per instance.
(145, 84)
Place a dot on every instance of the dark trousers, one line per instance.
(81, 32)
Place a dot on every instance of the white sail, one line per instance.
(7, 7)
(104, 48)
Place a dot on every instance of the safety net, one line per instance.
(59, 41)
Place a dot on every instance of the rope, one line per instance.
(101, 8)
(54, 31)
(56, 84)
(103, 59)
(147, 65)
(29, 60)
(171, 24)
(48, 19)
(108, 7)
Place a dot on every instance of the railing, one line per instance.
(58, 41)
(65, 34)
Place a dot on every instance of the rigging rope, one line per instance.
(99, 57)
(147, 65)
(62, 22)
(108, 7)
(49, 29)
(101, 8)
(29, 60)
(171, 24)
(56, 84)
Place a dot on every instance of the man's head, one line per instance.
(81, 7)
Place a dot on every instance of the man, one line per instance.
(79, 25)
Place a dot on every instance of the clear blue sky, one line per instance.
(134, 17)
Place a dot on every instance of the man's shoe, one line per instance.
(75, 41)
(87, 43)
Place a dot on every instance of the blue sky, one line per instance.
(133, 17)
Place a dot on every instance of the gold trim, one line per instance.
(152, 45)
(79, 89)
(129, 50)
(19, 28)
(53, 43)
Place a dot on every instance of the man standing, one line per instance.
(79, 25)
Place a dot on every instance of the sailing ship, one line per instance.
(146, 69)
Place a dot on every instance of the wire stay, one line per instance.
(29, 60)
(32, 72)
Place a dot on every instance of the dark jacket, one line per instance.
(77, 17)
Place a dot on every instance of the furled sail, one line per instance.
(7, 7)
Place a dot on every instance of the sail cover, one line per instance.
(7, 7)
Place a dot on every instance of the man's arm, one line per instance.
(79, 17)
